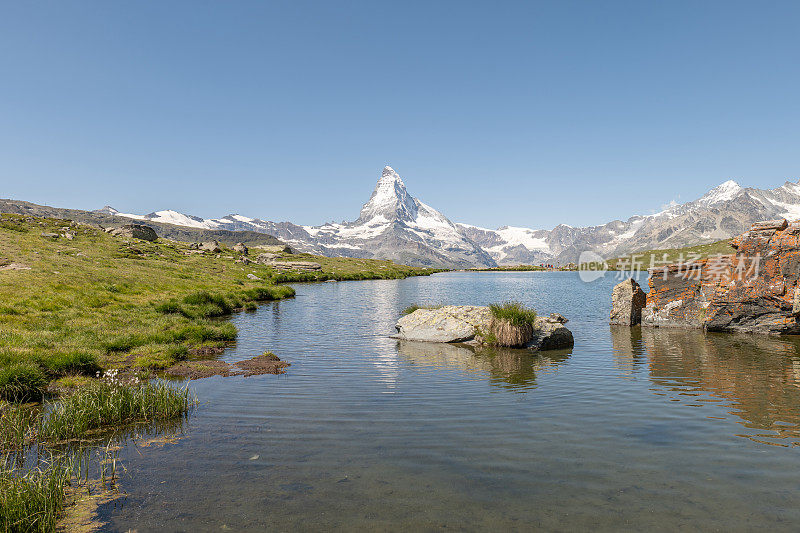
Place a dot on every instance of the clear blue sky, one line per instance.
(528, 114)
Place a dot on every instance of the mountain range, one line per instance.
(395, 225)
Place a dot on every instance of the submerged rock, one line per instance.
(467, 324)
(627, 301)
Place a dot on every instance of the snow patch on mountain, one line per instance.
(723, 192)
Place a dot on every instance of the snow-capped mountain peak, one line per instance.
(721, 193)
(390, 199)
(395, 225)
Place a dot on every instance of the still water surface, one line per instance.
(631, 429)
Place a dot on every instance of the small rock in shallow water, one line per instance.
(627, 301)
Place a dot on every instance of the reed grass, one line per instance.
(102, 405)
(32, 500)
(17, 427)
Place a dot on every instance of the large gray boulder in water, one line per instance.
(627, 301)
(452, 323)
(462, 323)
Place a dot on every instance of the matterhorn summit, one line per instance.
(395, 225)
(390, 199)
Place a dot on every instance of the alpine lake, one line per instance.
(632, 429)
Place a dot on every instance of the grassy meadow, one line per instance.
(69, 308)
(666, 256)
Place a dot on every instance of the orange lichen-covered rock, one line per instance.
(754, 290)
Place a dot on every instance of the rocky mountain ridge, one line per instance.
(395, 225)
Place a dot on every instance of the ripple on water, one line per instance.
(633, 428)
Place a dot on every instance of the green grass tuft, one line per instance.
(33, 500)
(102, 405)
(514, 313)
(22, 382)
(62, 364)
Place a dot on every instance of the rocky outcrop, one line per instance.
(302, 266)
(276, 249)
(240, 248)
(469, 323)
(627, 301)
(135, 231)
(753, 290)
(271, 260)
(210, 246)
(266, 258)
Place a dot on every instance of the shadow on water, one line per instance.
(757, 376)
(506, 368)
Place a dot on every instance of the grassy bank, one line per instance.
(74, 300)
(665, 256)
(349, 269)
(512, 268)
(72, 307)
